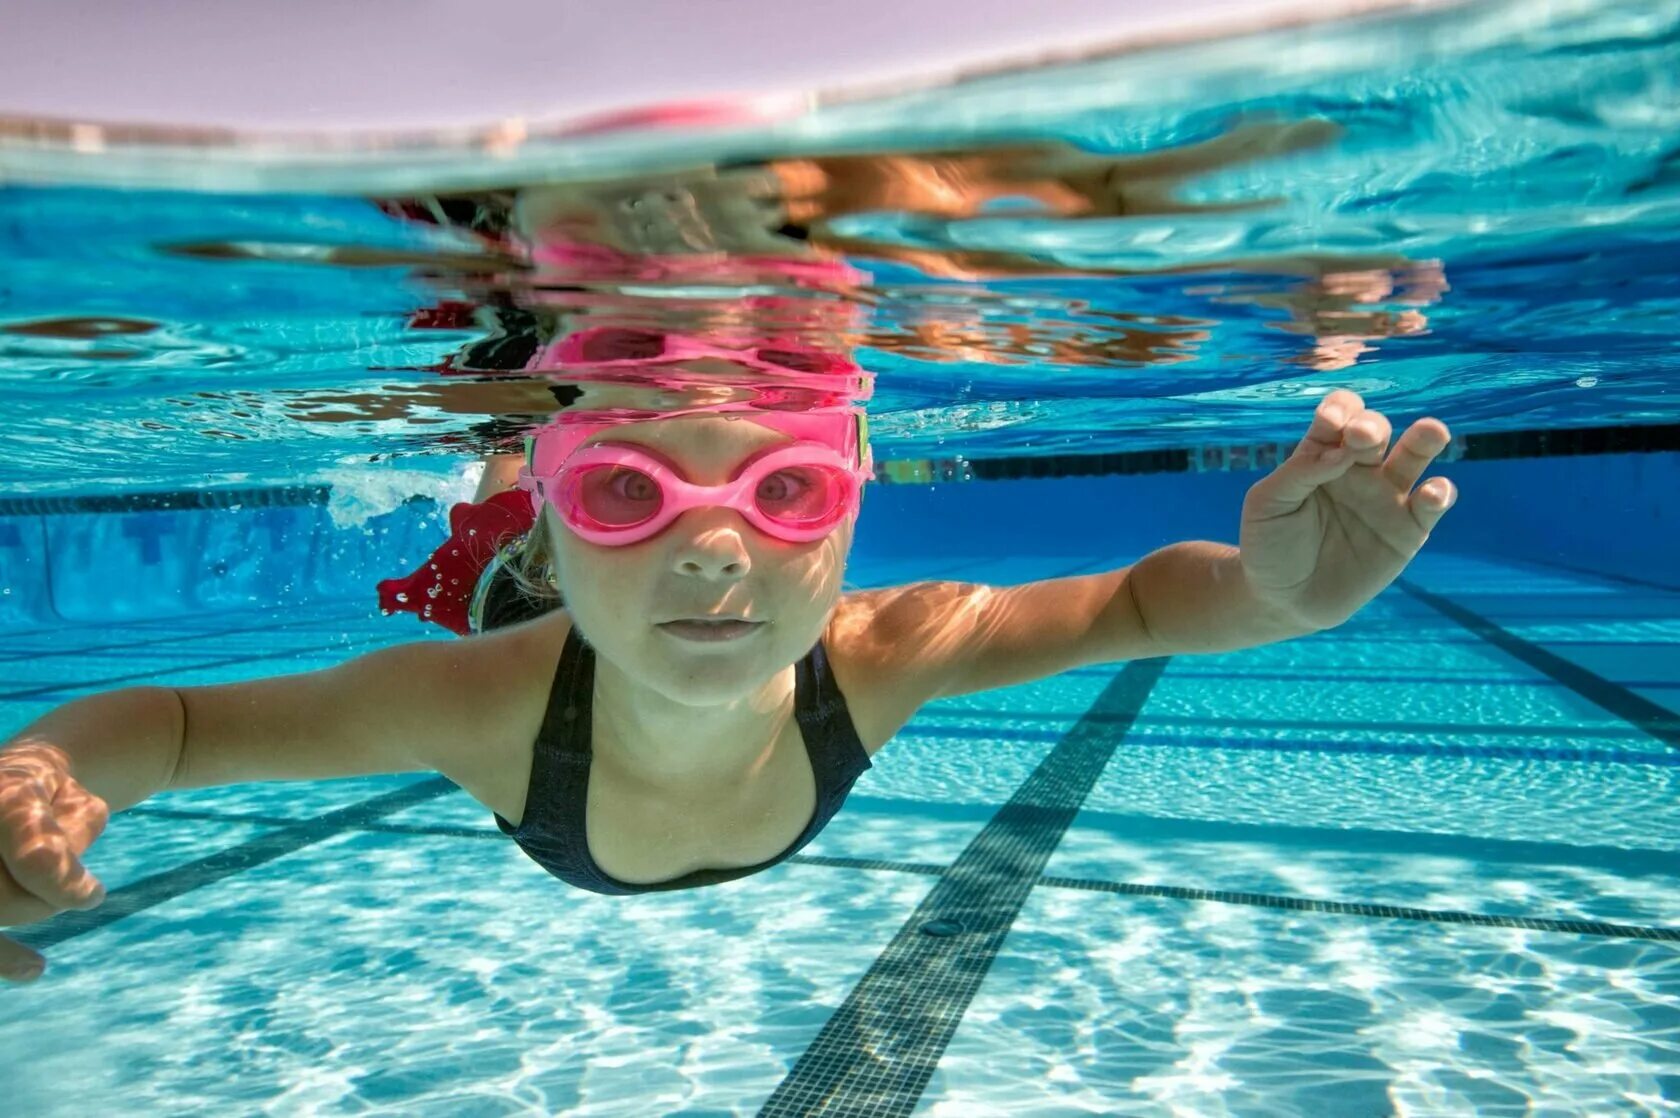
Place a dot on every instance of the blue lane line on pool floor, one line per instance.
(1353, 674)
(1605, 576)
(876, 1053)
(1655, 720)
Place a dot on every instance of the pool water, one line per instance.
(1424, 863)
(1355, 873)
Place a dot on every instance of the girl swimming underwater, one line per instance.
(719, 689)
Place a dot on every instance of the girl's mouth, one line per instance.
(710, 630)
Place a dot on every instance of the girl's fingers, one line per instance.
(1370, 430)
(1417, 448)
(41, 836)
(1283, 490)
(1431, 500)
(1333, 414)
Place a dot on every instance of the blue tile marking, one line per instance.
(293, 835)
(188, 620)
(1655, 720)
(877, 1052)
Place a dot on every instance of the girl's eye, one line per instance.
(633, 485)
(780, 486)
(796, 492)
(618, 495)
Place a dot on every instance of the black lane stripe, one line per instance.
(173, 882)
(877, 1052)
(288, 496)
(1657, 721)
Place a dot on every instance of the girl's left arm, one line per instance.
(1321, 536)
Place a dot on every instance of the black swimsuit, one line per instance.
(552, 831)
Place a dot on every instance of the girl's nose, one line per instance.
(713, 543)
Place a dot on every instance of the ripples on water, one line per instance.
(1468, 214)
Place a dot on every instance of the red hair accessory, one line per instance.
(441, 588)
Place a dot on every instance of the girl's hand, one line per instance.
(1331, 527)
(46, 820)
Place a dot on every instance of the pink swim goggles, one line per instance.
(618, 494)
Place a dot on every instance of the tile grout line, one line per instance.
(1567, 754)
(1657, 861)
(1376, 911)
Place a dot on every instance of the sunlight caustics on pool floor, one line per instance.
(1422, 863)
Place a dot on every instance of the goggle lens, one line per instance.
(617, 496)
(609, 498)
(800, 496)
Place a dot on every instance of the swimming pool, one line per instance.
(1423, 863)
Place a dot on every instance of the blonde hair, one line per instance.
(532, 564)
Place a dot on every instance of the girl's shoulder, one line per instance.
(494, 768)
(878, 664)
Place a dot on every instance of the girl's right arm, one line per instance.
(430, 705)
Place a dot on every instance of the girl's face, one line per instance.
(707, 561)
